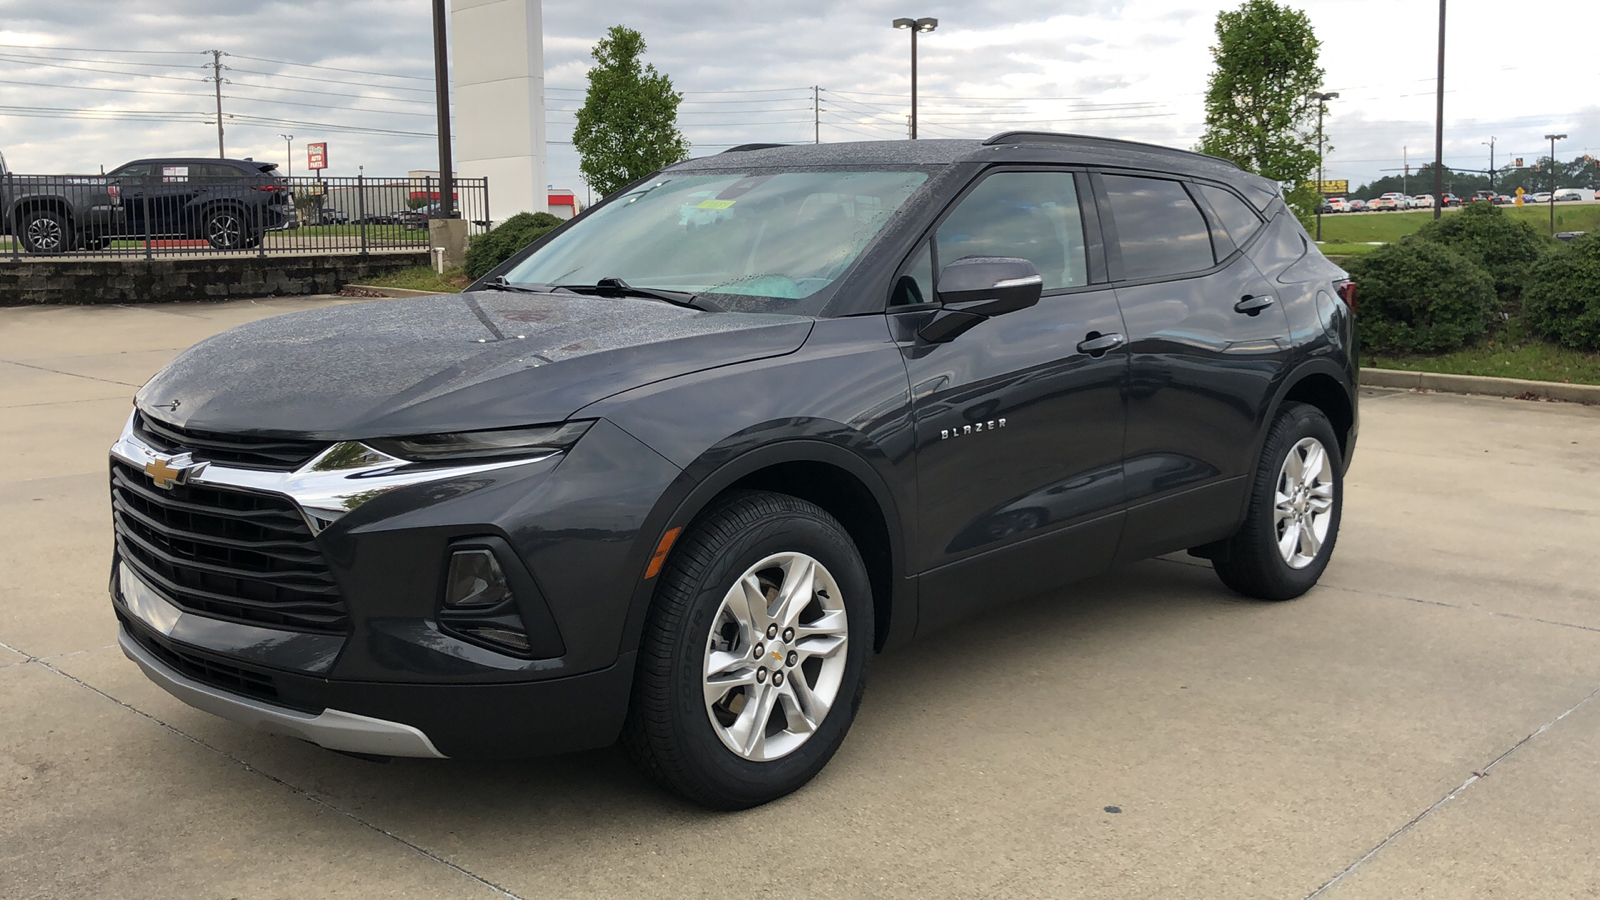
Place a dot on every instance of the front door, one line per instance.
(1019, 421)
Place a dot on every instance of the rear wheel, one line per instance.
(1295, 505)
(224, 228)
(45, 231)
(755, 653)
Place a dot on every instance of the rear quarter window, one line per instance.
(1160, 230)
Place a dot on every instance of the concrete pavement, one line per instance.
(1322, 747)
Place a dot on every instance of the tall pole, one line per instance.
(288, 152)
(441, 82)
(1438, 126)
(1491, 163)
(816, 114)
(1552, 138)
(216, 78)
(913, 84)
(1319, 171)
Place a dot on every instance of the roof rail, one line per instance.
(743, 147)
(1051, 137)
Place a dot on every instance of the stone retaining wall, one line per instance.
(70, 281)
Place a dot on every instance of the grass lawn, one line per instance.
(422, 278)
(1342, 228)
(1503, 357)
(1334, 251)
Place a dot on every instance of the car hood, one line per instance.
(485, 359)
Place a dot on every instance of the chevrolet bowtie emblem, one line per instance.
(166, 471)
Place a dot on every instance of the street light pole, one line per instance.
(923, 25)
(288, 152)
(1490, 144)
(1322, 100)
(1552, 138)
(441, 82)
(1438, 126)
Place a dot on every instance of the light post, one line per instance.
(1552, 138)
(288, 152)
(1322, 100)
(1438, 126)
(1490, 144)
(922, 25)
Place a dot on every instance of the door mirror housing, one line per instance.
(977, 287)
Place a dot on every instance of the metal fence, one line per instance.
(192, 213)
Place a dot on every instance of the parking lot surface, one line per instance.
(1424, 723)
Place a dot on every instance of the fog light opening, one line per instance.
(475, 581)
(497, 634)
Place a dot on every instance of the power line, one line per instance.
(280, 62)
(88, 69)
(381, 87)
(84, 87)
(98, 49)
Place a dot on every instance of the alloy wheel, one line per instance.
(775, 657)
(1303, 503)
(224, 230)
(44, 234)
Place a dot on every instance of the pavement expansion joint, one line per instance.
(294, 789)
(71, 374)
(1476, 776)
(1488, 612)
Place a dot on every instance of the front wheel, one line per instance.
(1296, 502)
(45, 231)
(224, 228)
(754, 655)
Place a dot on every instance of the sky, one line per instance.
(90, 83)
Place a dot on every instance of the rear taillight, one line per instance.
(1347, 293)
(270, 187)
(115, 192)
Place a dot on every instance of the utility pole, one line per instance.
(288, 152)
(1491, 163)
(1552, 138)
(441, 82)
(216, 77)
(1438, 126)
(1322, 106)
(816, 114)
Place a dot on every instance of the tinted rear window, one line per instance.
(1235, 216)
(1159, 228)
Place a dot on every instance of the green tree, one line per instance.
(628, 126)
(1258, 111)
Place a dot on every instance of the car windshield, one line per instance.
(750, 242)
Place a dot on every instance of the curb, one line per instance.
(390, 291)
(1480, 384)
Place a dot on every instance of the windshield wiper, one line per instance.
(616, 287)
(499, 283)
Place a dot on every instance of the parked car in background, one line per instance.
(1333, 204)
(1504, 199)
(58, 213)
(230, 203)
(1355, 205)
(1390, 201)
(1451, 200)
(1422, 201)
(1563, 195)
(333, 217)
(1540, 197)
(874, 389)
(1483, 196)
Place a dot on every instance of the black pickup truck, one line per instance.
(57, 213)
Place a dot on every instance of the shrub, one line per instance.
(1563, 295)
(1419, 296)
(1506, 248)
(490, 249)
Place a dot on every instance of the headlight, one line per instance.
(481, 444)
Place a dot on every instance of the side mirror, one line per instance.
(977, 287)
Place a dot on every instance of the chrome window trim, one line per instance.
(339, 479)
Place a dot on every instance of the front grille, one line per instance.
(225, 554)
(244, 451)
(205, 670)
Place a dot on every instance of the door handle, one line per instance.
(1252, 306)
(1097, 344)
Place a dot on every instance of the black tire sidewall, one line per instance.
(1274, 578)
(737, 781)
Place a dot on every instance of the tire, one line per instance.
(224, 228)
(1253, 562)
(682, 730)
(45, 231)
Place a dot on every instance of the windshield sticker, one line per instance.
(715, 204)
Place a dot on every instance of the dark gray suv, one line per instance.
(676, 471)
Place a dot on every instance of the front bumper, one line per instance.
(391, 679)
(331, 728)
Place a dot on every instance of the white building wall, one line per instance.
(499, 101)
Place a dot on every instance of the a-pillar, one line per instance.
(498, 63)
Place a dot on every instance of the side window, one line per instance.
(131, 172)
(1237, 217)
(916, 284)
(1159, 229)
(1031, 215)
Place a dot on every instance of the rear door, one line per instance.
(1019, 421)
(1207, 343)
